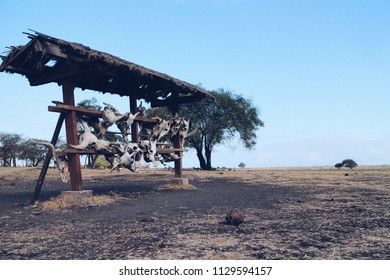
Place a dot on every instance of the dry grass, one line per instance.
(325, 215)
(361, 177)
(60, 202)
(175, 187)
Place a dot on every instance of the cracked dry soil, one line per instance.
(302, 213)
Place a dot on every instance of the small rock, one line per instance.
(149, 219)
(235, 217)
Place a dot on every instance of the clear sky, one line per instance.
(319, 71)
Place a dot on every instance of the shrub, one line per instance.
(349, 163)
(346, 163)
(102, 163)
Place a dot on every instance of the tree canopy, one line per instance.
(349, 163)
(31, 152)
(228, 116)
(9, 148)
(15, 147)
(220, 120)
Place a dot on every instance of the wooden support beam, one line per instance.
(67, 152)
(177, 143)
(63, 108)
(170, 150)
(46, 163)
(133, 110)
(71, 136)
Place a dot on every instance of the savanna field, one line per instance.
(289, 213)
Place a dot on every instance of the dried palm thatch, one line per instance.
(47, 59)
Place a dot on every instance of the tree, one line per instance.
(31, 152)
(220, 120)
(349, 163)
(90, 104)
(226, 117)
(346, 163)
(242, 165)
(9, 148)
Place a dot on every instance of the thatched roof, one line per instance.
(47, 59)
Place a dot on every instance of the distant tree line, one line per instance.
(14, 147)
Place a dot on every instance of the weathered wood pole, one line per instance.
(71, 136)
(133, 110)
(46, 163)
(177, 144)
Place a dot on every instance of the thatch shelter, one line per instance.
(45, 59)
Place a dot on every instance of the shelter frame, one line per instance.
(46, 59)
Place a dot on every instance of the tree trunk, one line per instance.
(202, 161)
(208, 157)
(94, 159)
(89, 161)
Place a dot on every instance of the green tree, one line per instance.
(9, 148)
(350, 163)
(31, 152)
(90, 104)
(220, 120)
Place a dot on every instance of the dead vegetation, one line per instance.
(171, 186)
(295, 213)
(60, 202)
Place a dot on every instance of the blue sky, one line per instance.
(319, 71)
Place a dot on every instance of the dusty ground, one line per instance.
(302, 213)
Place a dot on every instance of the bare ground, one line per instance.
(301, 213)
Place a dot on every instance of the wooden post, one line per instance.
(133, 110)
(46, 163)
(71, 136)
(177, 144)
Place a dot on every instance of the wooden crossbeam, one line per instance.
(63, 108)
(170, 150)
(66, 152)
